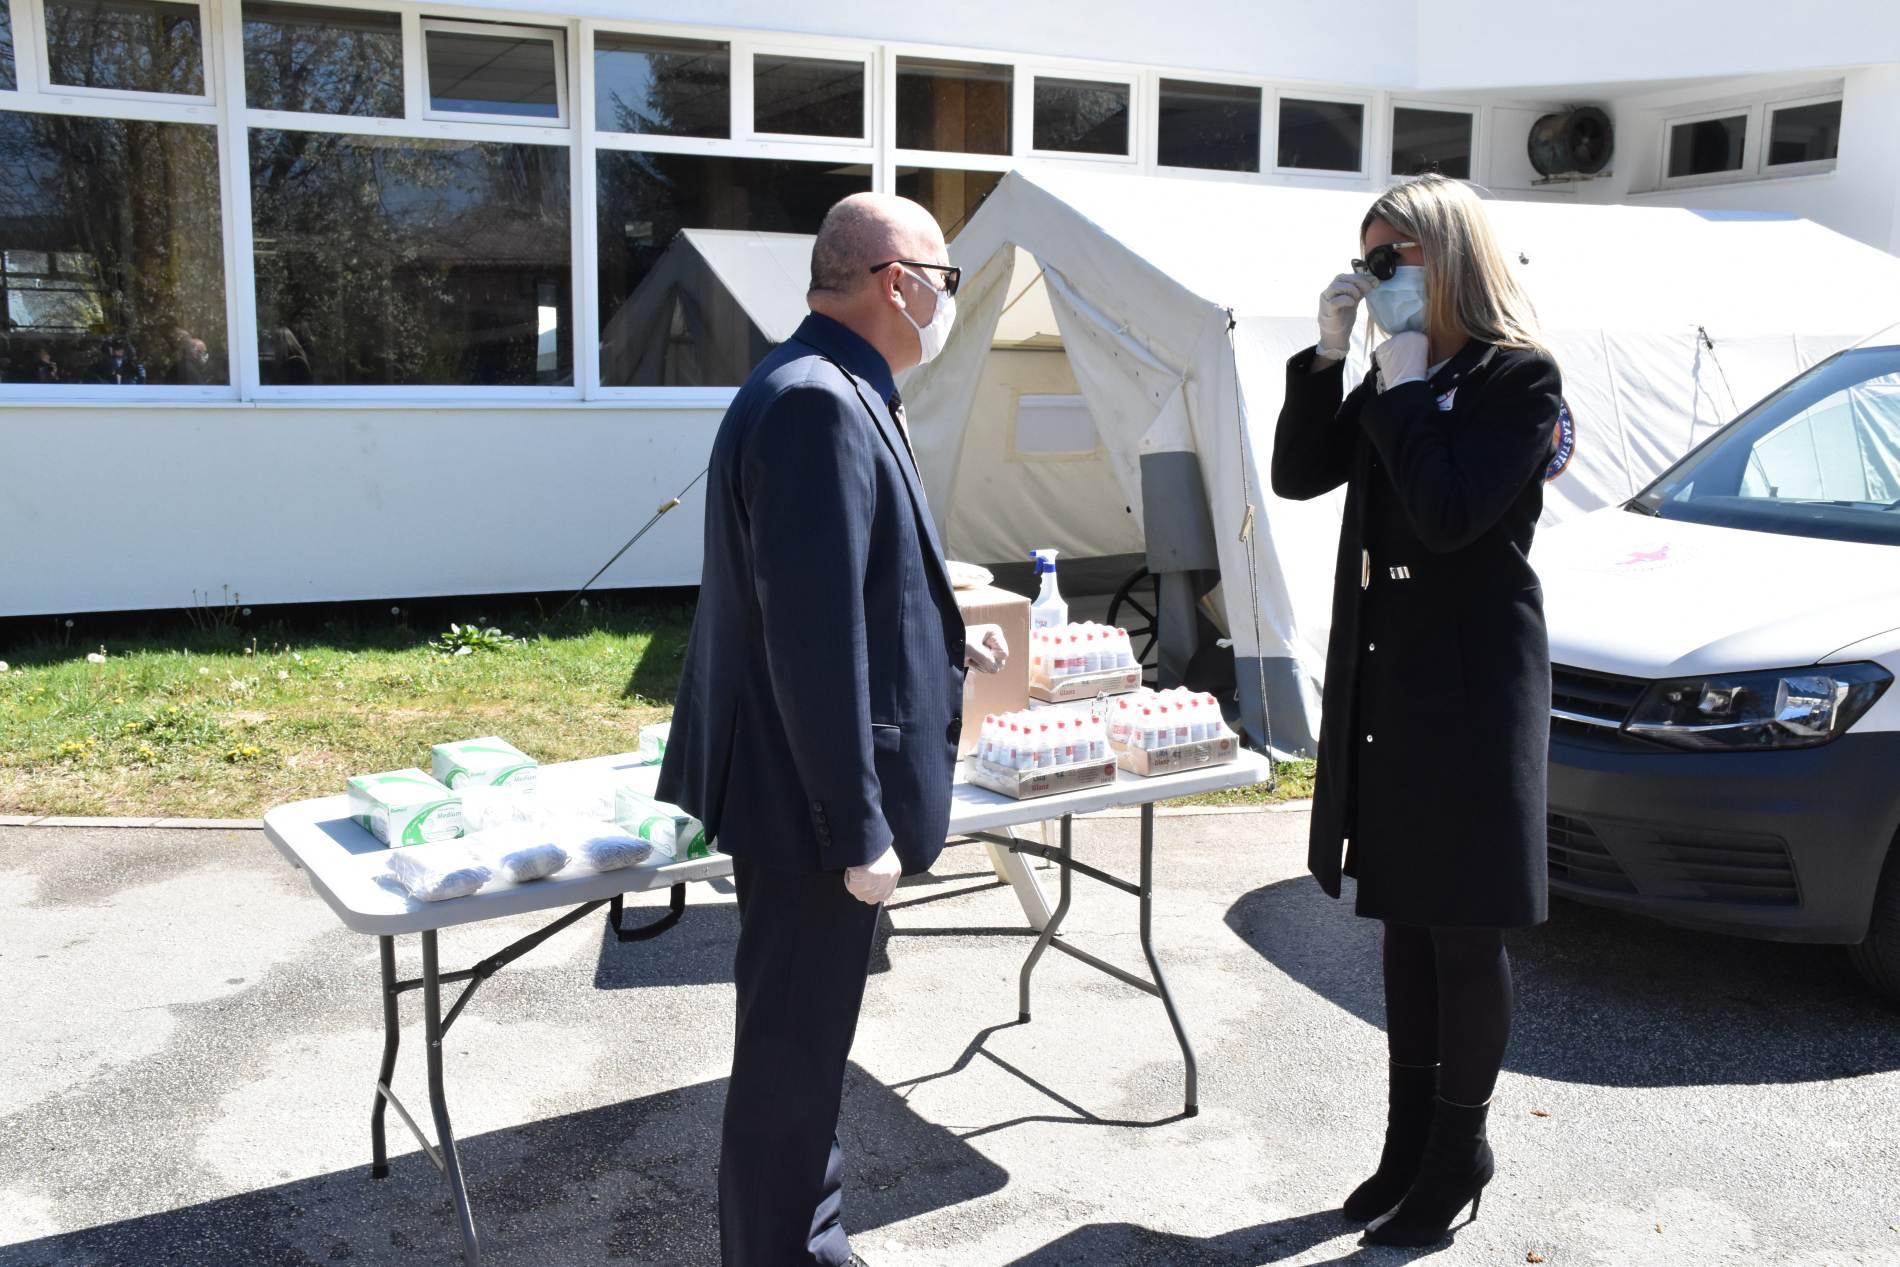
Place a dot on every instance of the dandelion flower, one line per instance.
(69, 623)
(94, 657)
(283, 676)
(395, 611)
(202, 671)
(247, 611)
(3, 666)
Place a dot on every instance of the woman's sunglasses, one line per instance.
(952, 275)
(1382, 261)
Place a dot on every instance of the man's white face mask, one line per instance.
(932, 337)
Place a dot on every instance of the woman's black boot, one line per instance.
(1458, 1163)
(1408, 1121)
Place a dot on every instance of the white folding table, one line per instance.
(348, 869)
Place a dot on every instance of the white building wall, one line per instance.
(1482, 44)
(1860, 197)
(129, 508)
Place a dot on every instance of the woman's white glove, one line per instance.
(873, 883)
(1339, 308)
(1403, 358)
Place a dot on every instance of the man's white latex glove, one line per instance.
(1338, 309)
(1403, 358)
(985, 649)
(873, 883)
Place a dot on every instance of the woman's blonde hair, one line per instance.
(1469, 286)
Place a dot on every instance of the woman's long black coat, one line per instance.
(1435, 730)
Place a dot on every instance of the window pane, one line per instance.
(1213, 126)
(1805, 134)
(1431, 141)
(684, 299)
(807, 96)
(323, 61)
(8, 79)
(952, 197)
(1713, 145)
(643, 83)
(1080, 116)
(126, 45)
(1321, 135)
(493, 74)
(396, 262)
(958, 106)
(110, 236)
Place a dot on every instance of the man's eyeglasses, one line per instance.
(952, 275)
(1382, 261)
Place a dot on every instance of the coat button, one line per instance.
(1372, 646)
(1368, 738)
(956, 728)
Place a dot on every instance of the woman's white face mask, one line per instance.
(933, 335)
(1398, 303)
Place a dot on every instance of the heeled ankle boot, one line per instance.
(1458, 1164)
(1408, 1122)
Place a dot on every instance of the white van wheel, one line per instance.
(1878, 956)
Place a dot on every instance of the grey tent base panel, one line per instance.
(1283, 728)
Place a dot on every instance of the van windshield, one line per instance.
(1818, 458)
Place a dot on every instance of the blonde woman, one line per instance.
(1435, 734)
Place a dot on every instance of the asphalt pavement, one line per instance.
(190, 1038)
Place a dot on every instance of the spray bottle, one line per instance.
(1048, 611)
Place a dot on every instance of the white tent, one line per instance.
(1179, 301)
(709, 310)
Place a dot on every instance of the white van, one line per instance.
(1725, 739)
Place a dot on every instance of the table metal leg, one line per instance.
(1055, 921)
(438, 1102)
(1154, 963)
(1012, 867)
(392, 1038)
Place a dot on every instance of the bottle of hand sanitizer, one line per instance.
(1048, 611)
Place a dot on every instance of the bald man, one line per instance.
(816, 728)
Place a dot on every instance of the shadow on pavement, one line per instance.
(630, 1183)
(1130, 1245)
(1608, 999)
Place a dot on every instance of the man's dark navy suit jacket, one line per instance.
(818, 710)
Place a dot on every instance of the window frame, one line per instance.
(1151, 158)
(744, 82)
(1028, 72)
(589, 29)
(962, 160)
(556, 37)
(1395, 104)
(1811, 167)
(35, 11)
(1271, 139)
(1750, 113)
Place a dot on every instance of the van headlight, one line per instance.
(1787, 708)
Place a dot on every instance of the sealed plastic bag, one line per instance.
(533, 861)
(437, 872)
(599, 845)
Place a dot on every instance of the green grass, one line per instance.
(210, 718)
(1293, 781)
(211, 715)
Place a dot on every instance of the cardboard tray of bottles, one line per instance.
(1025, 785)
(1079, 686)
(1148, 762)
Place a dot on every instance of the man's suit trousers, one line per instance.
(804, 954)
